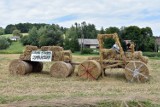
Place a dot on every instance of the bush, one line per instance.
(86, 51)
(4, 43)
(151, 54)
(24, 40)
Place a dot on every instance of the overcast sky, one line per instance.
(104, 13)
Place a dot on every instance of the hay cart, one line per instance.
(133, 62)
(61, 58)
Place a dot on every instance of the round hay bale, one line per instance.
(20, 67)
(61, 69)
(89, 69)
(36, 66)
(136, 71)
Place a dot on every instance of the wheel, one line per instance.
(89, 69)
(137, 71)
(61, 69)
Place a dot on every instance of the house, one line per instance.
(158, 40)
(89, 43)
(14, 38)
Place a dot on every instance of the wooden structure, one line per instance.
(133, 62)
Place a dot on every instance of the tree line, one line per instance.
(45, 34)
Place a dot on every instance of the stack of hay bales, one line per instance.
(24, 65)
(57, 52)
(48, 48)
(27, 52)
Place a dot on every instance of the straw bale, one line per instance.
(97, 58)
(58, 56)
(57, 48)
(144, 59)
(45, 48)
(89, 69)
(20, 67)
(30, 47)
(25, 57)
(108, 53)
(137, 54)
(67, 54)
(61, 69)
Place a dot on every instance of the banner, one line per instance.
(41, 56)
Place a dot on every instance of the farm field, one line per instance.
(40, 89)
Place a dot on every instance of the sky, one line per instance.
(102, 13)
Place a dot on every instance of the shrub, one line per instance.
(4, 43)
(24, 40)
(86, 51)
(151, 54)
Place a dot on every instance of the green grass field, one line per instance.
(9, 35)
(15, 47)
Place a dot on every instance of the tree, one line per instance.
(4, 43)
(1, 31)
(109, 42)
(102, 31)
(88, 30)
(71, 40)
(112, 30)
(10, 28)
(33, 37)
(17, 33)
(50, 35)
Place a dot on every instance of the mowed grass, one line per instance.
(15, 47)
(10, 35)
(42, 89)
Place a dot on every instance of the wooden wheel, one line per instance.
(89, 69)
(137, 71)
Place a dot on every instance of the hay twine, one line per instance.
(89, 69)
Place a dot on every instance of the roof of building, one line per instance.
(88, 41)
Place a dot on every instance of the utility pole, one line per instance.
(82, 38)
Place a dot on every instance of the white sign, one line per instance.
(41, 56)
